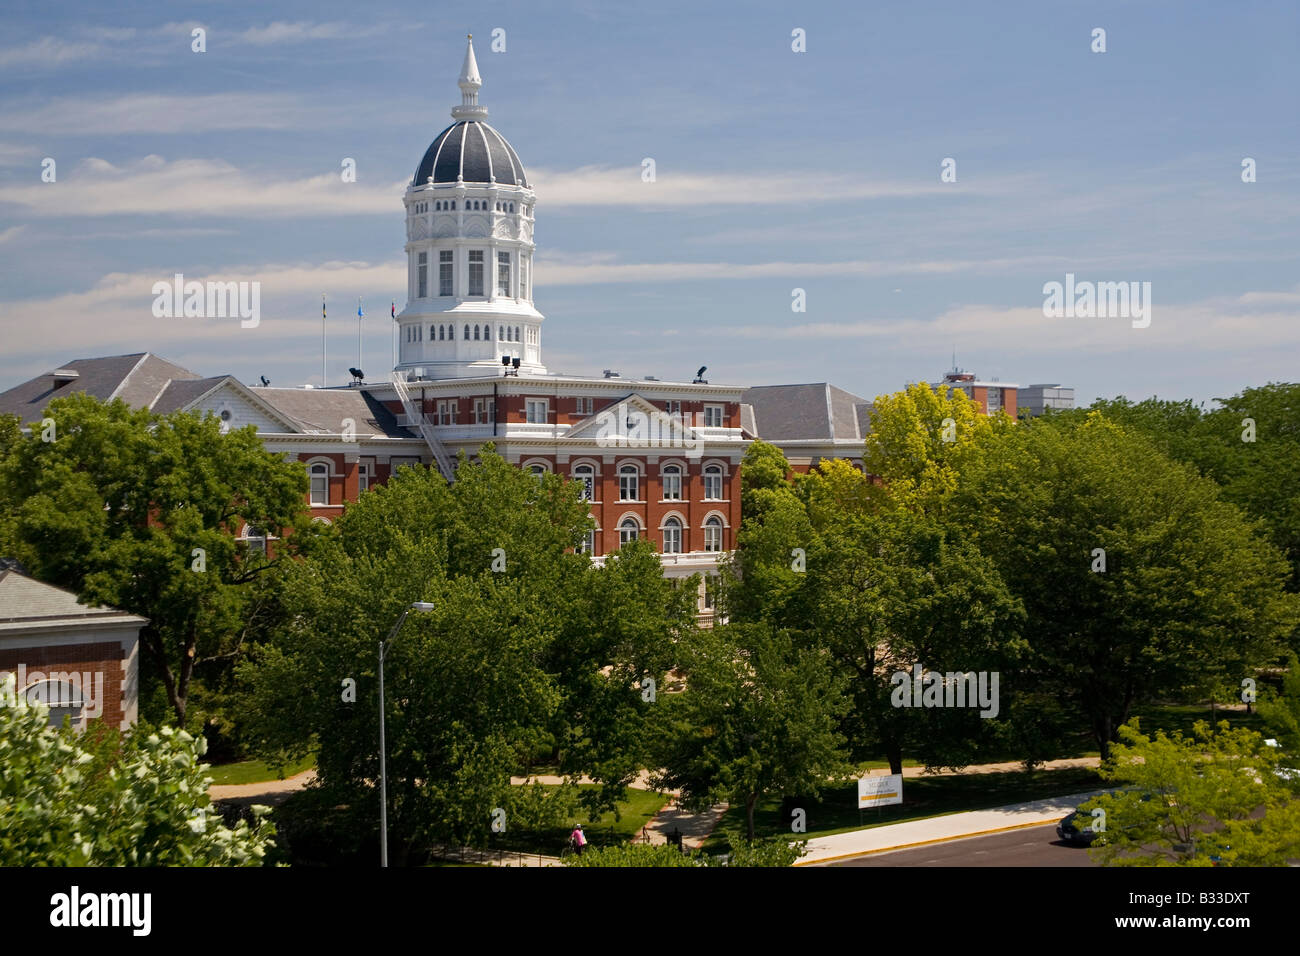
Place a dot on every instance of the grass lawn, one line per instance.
(837, 811)
(636, 811)
(257, 771)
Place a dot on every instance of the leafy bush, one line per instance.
(109, 799)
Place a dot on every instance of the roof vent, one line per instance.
(63, 376)
(610, 373)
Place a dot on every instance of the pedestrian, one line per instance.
(578, 839)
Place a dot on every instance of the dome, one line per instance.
(474, 152)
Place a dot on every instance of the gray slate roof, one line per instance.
(323, 410)
(136, 379)
(812, 411)
(25, 602)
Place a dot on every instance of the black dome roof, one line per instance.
(474, 151)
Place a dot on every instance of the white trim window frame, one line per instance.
(713, 482)
(629, 480)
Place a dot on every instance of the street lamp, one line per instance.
(383, 756)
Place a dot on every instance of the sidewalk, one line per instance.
(898, 836)
(269, 792)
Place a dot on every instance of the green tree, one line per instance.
(140, 511)
(1281, 716)
(1138, 580)
(880, 588)
(527, 641)
(139, 799)
(1248, 444)
(1186, 800)
(758, 715)
(919, 439)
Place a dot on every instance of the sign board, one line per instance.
(880, 791)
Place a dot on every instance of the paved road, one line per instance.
(1032, 846)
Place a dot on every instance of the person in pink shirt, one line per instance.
(578, 839)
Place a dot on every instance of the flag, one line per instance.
(394, 310)
(359, 312)
(322, 308)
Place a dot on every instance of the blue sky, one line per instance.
(775, 170)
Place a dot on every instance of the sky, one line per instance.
(775, 169)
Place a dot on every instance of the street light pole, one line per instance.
(383, 749)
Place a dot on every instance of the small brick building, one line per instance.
(83, 662)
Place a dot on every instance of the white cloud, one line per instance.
(11, 233)
(115, 315)
(1213, 326)
(600, 269)
(49, 51)
(205, 187)
(281, 32)
(162, 113)
(622, 186)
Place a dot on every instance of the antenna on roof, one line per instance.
(265, 381)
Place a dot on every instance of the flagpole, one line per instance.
(359, 314)
(322, 340)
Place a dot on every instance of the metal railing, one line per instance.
(427, 432)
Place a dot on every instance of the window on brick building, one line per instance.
(629, 530)
(713, 534)
(320, 484)
(535, 411)
(672, 536)
(363, 476)
(672, 478)
(713, 416)
(629, 483)
(713, 482)
(586, 474)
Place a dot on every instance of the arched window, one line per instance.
(713, 482)
(320, 484)
(713, 534)
(453, 204)
(431, 328)
(537, 471)
(63, 698)
(466, 331)
(629, 530)
(501, 334)
(516, 333)
(672, 536)
(629, 483)
(442, 329)
(672, 478)
(437, 207)
(476, 333)
(587, 475)
(512, 207)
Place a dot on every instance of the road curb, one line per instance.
(909, 846)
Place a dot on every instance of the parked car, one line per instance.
(1076, 829)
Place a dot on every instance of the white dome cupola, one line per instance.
(469, 231)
